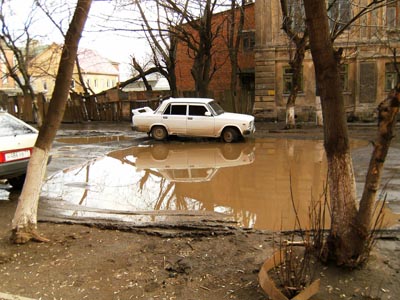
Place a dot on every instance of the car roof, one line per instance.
(188, 100)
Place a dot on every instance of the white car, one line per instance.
(16, 143)
(197, 117)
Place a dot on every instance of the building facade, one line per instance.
(367, 68)
(98, 73)
(219, 86)
(7, 84)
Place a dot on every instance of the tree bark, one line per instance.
(342, 237)
(25, 219)
(387, 112)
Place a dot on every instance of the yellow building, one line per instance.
(98, 73)
(7, 84)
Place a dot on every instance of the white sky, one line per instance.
(116, 46)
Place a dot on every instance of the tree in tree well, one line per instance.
(348, 240)
(25, 219)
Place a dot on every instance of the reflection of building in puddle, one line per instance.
(253, 182)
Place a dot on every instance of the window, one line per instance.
(72, 84)
(390, 76)
(368, 82)
(288, 80)
(344, 76)
(392, 14)
(249, 40)
(44, 85)
(176, 109)
(197, 110)
(339, 13)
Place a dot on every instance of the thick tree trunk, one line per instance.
(290, 115)
(25, 218)
(387, 112)
(343, 237)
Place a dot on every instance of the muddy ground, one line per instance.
(83, 262)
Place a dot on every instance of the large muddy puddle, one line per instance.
(93, 139)
(258, 184)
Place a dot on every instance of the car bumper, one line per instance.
(249, 131)
(16, 168)
(13, 169)
(140, 129)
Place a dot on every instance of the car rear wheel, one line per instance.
(17, 182)
(159, 133)
(230, 135)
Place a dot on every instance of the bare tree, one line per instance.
(162, 41)
(347, 242)
(141, 73)
(86, 89)
(198, 35)
(25, 219)
(294, 27)
(235, 28)
(19, 66)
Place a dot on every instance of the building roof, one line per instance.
(157, 84)
(92, 62)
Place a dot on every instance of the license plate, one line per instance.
(17, 155)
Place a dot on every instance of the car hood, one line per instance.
(235, 116)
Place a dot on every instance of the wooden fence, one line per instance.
(112, 105)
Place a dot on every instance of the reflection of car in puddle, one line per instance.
(189, 162)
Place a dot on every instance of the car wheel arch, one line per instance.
(237, 134)
(160, 126)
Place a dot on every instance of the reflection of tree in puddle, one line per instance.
(203, 177)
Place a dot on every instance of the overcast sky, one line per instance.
(116, 46)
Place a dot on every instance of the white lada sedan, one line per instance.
(197, 117)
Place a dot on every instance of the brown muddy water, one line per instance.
(93, 139)
(258, 184)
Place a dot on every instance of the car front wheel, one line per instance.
(159, 133)
(230, 135)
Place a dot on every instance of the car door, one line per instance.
(198, 123)
(174, 118)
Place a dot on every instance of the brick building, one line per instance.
(219, 87)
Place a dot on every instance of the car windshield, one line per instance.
(216, 108)
(9, 126)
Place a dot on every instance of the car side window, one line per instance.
(176, 109)
(197, 110)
